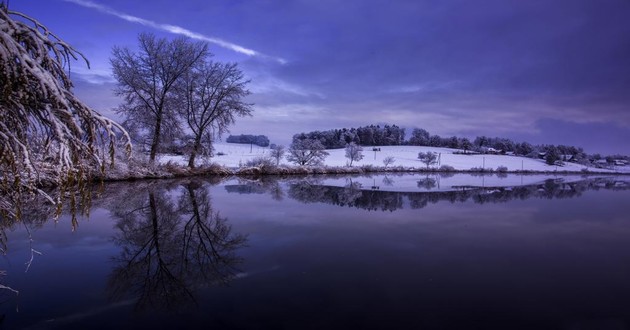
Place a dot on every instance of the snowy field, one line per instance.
(235, 155)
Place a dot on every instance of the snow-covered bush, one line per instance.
(263, 162)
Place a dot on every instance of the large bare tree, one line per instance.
(47, 135)
(212, 96)
(147, 79)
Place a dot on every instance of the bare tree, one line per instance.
(354, 152)
(307, 152)
(212, 96)
(389, 160)
(147, 79)
(428, 158)
(47, 135)
(277, 152)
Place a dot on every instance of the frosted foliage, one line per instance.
(47, 135)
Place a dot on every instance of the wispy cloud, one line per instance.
(175, 30)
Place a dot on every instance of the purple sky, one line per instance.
(537, 70)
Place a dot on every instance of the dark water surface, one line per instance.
(397, 252)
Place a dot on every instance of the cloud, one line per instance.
(175, 30)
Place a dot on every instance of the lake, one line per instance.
(372, 252)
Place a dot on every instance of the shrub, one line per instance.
(502, 169)
(262, 162)
(447, 168)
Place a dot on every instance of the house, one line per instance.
(493, 151)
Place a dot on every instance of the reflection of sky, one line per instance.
(545, 71)
(319, 263)
(522, 259)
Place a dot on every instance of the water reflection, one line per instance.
(163, 245)
(172, 242)
(353, 194)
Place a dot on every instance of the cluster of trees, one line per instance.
(259, 140)
(173, 86)
(393, 135)
(551, 153)
(373, 135)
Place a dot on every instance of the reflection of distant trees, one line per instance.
(265, 185)
(345, 196)
(352, 195)
(311, 190)
(172, 243)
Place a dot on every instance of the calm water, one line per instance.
(381, 252)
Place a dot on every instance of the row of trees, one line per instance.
(373, 135)
(170, 86)
(393, 135)
(311, 152)
(259, 140)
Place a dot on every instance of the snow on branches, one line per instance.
(47, 135)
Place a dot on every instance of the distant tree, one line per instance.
(419, 137)
(210, 96)
(524, 149)
(277, 152)
(481, 141)
(354, 152)
(46, 133)
(435, 141)
(552, 156)
(428, 158)
(307, 152)
(389, 160)
(453, 142)
(465, 144)
(259, 140)
(147, 80)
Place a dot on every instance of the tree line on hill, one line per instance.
(392, 135)
(373, 135)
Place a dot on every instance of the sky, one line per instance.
(543, 71)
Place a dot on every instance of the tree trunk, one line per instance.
(156, 138)
(193, 153)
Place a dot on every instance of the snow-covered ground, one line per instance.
(234, 155)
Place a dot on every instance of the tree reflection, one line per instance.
(427, 183)
(354, 195)
(171, 246)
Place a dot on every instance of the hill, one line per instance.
(234, 155)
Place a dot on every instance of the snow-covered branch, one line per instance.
(47, 135)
